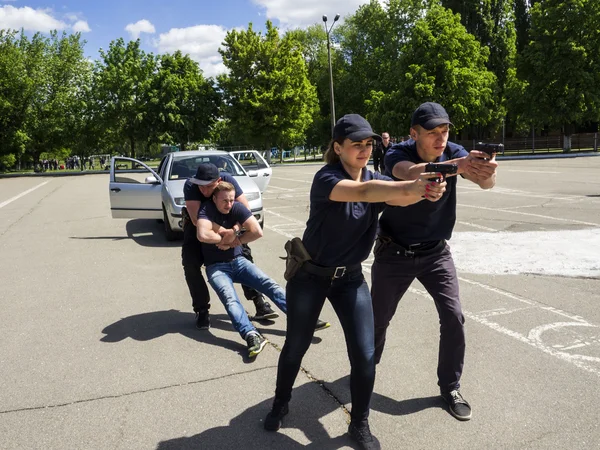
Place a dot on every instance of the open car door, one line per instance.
(256, 167)
(134, 190)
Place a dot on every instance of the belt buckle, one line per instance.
(336, 274)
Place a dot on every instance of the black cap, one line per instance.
(353, 127)
(206, 174)
(430, 115)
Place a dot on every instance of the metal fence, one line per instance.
(580, 142)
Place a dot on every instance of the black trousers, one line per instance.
(192, 260)
(392, 274)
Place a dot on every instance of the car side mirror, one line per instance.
(151, 180)
(252, 173)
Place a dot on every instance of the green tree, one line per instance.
(268, 97)
(186, 104)
(440, 62)
(492, 23)
(53, 66)
(313, 41)
(371, 44)
(124, 77)
(561, 65)
(15, 89)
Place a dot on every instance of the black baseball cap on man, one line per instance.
(206, 174)
(430, 115)
(354, 127)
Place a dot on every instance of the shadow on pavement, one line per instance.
(394, 407)
(144, 232)
(246, 431)
(153, 325)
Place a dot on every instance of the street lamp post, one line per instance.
(327, 31)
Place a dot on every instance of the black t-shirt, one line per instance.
(191, 192)
(238, 214)
(424, 221)
(340, 233)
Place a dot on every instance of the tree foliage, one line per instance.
(268, 98)
(124, 76)
(41, 77)
(186, 105)
(440, 62)
(561, 63)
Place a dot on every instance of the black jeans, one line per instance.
(192, 260)
(349, 296)
(391, 276)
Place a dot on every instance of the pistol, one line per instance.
(444, 169)
(490, 149)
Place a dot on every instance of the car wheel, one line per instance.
(262, 223)
(170, 234)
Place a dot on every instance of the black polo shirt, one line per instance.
(424, 221)
(191, 191)
(340, 233)
(238, 214)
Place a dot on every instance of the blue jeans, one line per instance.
(351, 301)
(221, 277)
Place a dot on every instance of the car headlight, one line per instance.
(252, 196)
(180, 201)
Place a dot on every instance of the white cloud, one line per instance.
(41, 20)
(294, 13)
(201, 42)
(141, 26)
(29, 19)
(81, 26)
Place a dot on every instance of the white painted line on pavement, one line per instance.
(520, 207)
(291, 179)
(534, 337)
(560, 219)
(527, 171)
(481, 227)
(519, 193)
(17, 197)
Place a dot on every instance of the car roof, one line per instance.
(200, 152)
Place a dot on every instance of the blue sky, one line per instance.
(196, 27)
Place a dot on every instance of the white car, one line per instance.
(138, 192)
(255, 165)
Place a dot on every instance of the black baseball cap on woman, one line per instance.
(354, 127)
(430, 115)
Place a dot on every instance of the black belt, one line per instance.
(333, 272)
(410, 250)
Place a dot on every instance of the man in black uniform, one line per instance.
(412, 243)
(380, 151)
(196, 191)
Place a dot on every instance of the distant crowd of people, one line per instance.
(72, 163)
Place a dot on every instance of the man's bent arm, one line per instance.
(407, 170)
(253, 232)
(192, 207)
(206, 232)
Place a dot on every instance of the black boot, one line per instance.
(361, 433)
(273, 419)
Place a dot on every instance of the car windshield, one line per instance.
(184, 167)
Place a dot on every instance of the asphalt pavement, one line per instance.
(98, 348)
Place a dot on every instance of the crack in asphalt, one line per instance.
(320, 383)
(306, 372)
(127, 394)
